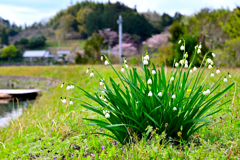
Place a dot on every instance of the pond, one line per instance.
(11, 110)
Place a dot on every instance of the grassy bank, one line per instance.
(49, 129)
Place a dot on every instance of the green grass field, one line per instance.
(49, 129)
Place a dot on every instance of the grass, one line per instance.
(50, 129)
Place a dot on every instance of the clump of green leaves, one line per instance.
(177, 105)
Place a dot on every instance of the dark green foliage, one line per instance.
(176, 31)
(166, 20)
(37, 41)
(132, 23)
(80, 60)
(4, 37)
(106, 16)
(12, 32)
(93, 47)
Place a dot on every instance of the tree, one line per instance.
(93, 46)
(232, 27)
(81, 19)
(37, 41)
(4, 37)
(9, 52)
(176, 30)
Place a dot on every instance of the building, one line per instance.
(37, 55)
(63, 54)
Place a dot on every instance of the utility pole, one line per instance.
(119, 21)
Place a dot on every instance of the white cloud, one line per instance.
(22, 15)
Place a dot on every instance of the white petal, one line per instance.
(160, 94)
(150, 94)
(149, 81)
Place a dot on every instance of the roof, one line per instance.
(37, 53)
(62, 52)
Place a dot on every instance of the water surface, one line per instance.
(10, 110)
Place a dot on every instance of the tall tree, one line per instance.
(81, 19)
(93, 46)
(232, 27)
(4, 37)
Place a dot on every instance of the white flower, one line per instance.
(101, 83)
(186, 65)
(176, 64)
(190, 71)
(145, 62)
(150, 94)
(213, 54)
(204, 92)
(153, 72)
(106, 62)
(125, 61)
(229, 75)
(210, 66)
(64, 100)
(62, 85)
(174, 108)
(101, 58)
(100, 97)
(173, 96)
(186, 61)
(87, 70)
(71, 102)
(218, 71)
(72, 86)
(146, 57)
(149, 81)
(179, 41)
(160, 94)
(199, 51)
(200, 46)
(209, 60)
(92, 74)
(212, 75)
(126, 65)
(181, 61)
(107, 115)
(208, 91)
(122, 69)
(68, 87)
(186, 55)
(172, 78)
(194, 68)
(105, 100)
(182, 48)
(225, 79)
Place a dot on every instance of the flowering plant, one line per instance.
(177, 105)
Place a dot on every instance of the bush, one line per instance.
(38, 41)
(175, 106)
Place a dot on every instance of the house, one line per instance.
(63, 54)
(37, 55)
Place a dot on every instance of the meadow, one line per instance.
(50, 129)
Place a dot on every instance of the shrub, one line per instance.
(175, 106)
(37, 41)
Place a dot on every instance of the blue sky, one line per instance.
(29, 11)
